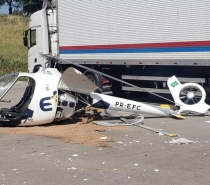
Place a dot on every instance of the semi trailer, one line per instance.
(140, 41)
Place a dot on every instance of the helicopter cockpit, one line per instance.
(16, 91)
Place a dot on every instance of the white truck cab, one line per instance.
(41, 37)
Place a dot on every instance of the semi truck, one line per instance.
(139, 41)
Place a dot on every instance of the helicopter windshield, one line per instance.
(6, 82)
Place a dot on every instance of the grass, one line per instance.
(13, 55)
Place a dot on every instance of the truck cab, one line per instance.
(41, 37)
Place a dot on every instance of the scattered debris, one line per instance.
(157, 130)
(181, 141)
(72, 168)
(75, 155)
(137, 121)
(119, 142)
(89, 115)
(161, 134)
(100, 130)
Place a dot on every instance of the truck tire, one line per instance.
(36, 68)
(92, 78)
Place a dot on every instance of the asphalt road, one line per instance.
(137, 156)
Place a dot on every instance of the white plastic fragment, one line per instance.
(42, 153)
(181, 141)
(104, 137)
(136, 164)
(119, 142)
(73, 168)
(156, 170)
(207, 121)
(160, 134)
(75, 155)
(14, 169)
(85, 179)
(129, 177)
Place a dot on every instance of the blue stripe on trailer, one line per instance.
(138, 50)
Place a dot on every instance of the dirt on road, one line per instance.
(78, 133)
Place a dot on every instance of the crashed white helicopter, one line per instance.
(50, 96)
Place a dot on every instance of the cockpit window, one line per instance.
(14, 92)
(32, 38)
(4, 80)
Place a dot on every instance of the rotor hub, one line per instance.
(190, 95)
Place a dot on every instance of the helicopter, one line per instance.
(49, 96)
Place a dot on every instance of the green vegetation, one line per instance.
(13, 55)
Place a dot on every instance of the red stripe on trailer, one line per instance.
(142, 45)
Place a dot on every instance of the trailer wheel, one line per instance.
(92, 78)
